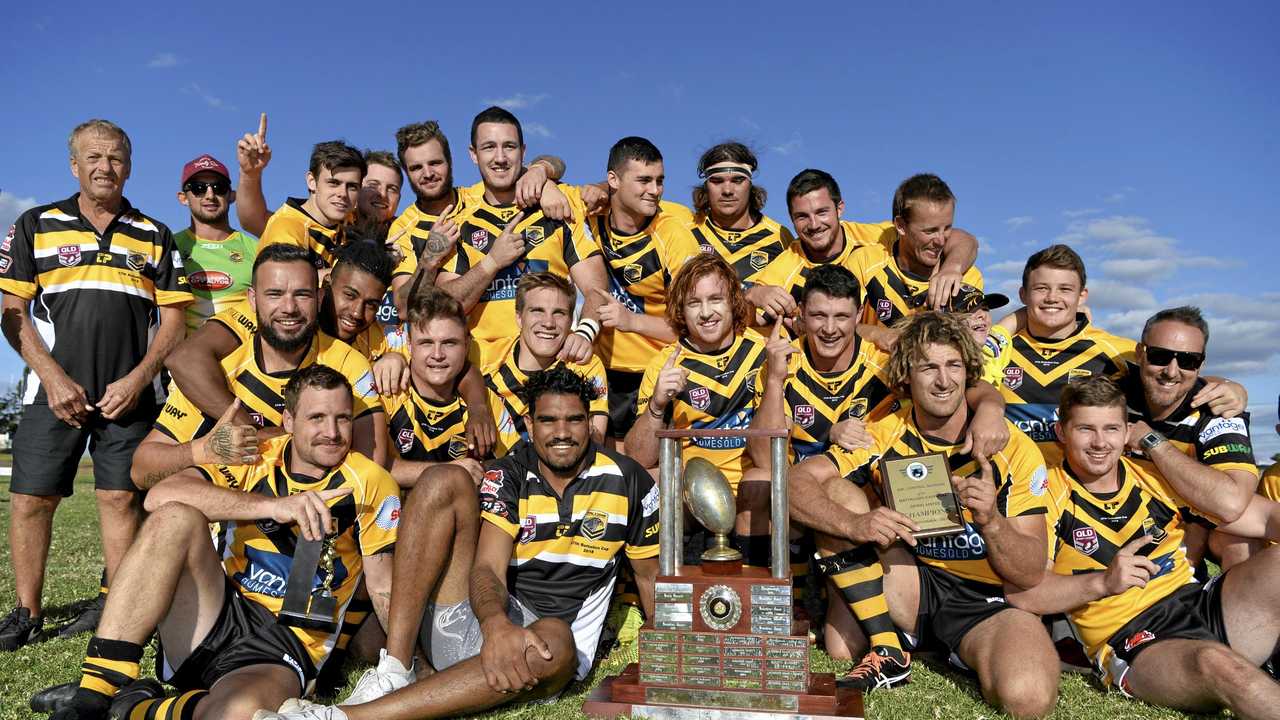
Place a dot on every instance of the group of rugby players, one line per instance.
(460, 403)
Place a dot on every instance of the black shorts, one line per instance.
(1192, 612)
(623, 389)
(951, 606)
(46, 450)
(244, 634)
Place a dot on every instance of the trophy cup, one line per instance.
(306, 604)
(723, 643)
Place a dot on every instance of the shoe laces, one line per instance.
(11, 619)
(870, 665)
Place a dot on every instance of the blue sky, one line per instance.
(1141, 133)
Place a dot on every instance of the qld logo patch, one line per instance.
(68, 255)
(388, 516)
(884, 309)
(700, 398)
(480, 239)
(804, 415)
(405, 439)
(1013, 377)
(528, 527)
(1085, 540)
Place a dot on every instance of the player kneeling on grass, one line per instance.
(1121, 571)
(950, 594)
(557, 513)
(221, 644)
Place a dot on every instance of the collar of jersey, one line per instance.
(719, 231)
(733, 343)
(528, 458)
(71, 206)
(856, 359)
(1082, 324)
(296, 205)
(1122, 486)
(614, 232)
(934, 440)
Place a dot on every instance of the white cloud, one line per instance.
(209, 98)
(1010, 267)
(536, 130)
(11, 206)
(1015, 223)
(518, 100)
(163, 60)
(1080, 212)
(1139, 268)
(1110, 295)
(790, 146)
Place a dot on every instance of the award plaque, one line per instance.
(723, 643)
(306, 603)
(920, 488)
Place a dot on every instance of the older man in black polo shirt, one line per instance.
(93, 296)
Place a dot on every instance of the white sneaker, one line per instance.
(295, 709)
(384, 679)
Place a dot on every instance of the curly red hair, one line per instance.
(694, 270)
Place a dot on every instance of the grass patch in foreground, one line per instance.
(75, 563)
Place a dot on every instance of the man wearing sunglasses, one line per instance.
(218, 258)
(1191, 434)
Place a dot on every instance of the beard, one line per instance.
(284, 344)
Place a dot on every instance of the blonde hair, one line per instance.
(932, 328)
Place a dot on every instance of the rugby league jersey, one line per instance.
(748, 251)
(891, 291)
(791, 268)
(425, 430)
(292, 225)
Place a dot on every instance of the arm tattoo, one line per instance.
(555, 165)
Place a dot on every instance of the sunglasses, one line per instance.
(1187, 360)
(197, 188)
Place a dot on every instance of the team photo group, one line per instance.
(447, 413)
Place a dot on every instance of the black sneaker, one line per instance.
(84, 705)
(882, 668)
(86, 621)
(18, 628)
(132, 694)
(53, 699)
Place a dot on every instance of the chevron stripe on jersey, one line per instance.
(258, 555)
(426, 431)
(411, 228)
(1093, 527)
(1025, 487)
(566, 547)
(816, 401)
(720, 394)
(790, 269)
(891, 292)
(748, 251)
(640, 267)
(1039, 370)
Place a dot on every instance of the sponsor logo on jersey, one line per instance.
(1223, 426)
(1085, 540)
(1078, 374)
(209, 280)
(594, 524)
(1039, 481)
(700, 398)
(967, 545)
(632, 273)
(528, 526)
(363, 388)
(104, 258)
(405, 439)
(136, 261)
(68, 255)
(480, 239)
(857, 408)
(492, 482)
(5, 262)
(650, 501)
(457, 447)
(533, 235)
(805, 415)
(388, 516)
(8, 238)
(759, 259)
(173, 411)
(1013, 377)
(1139, 638)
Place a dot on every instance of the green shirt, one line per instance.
(219, 272)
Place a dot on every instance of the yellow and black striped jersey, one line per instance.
(748, 251)
(641, 265)
(1039, 370)
(816, 401)
(719, 394)
(411, 228)
(1025, 488)
(890, 291)
(1269, 486)
(93, 296)
(373, 343)
(791, 268)
(1093, 527)
(258, 554)
(995, 354)
(292, 225)
(565, 556)
(1221, 443)
(550, 245)
(424, 430)
(505, 380)
(262, 393)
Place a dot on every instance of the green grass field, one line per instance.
(75, 562)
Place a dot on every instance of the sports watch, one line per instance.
(1151, 440)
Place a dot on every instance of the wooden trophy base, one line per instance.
(625, 695)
